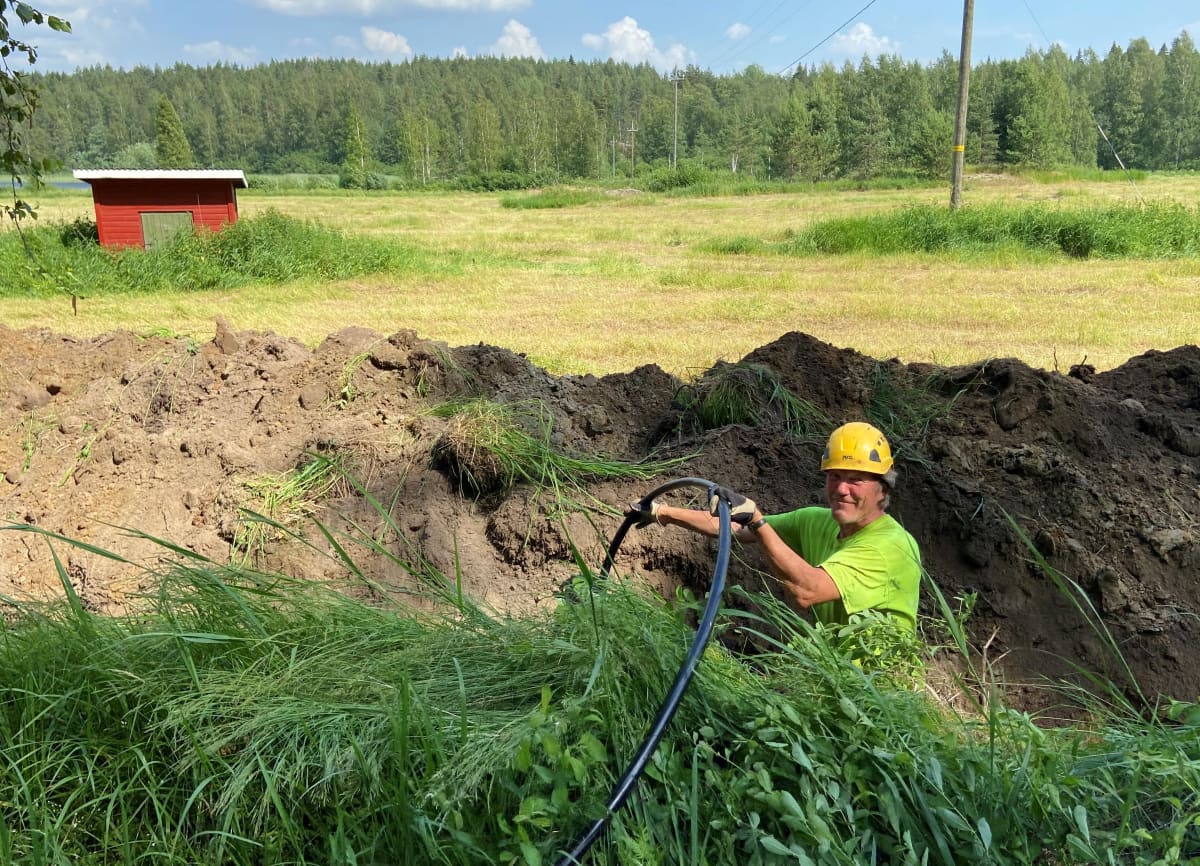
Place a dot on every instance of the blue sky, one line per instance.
(720, 36)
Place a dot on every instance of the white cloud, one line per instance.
(861, 39)
(626, 42)
(321, 7)
(460, 51)
(98, 30)
(375, 7)
(384, 42)
(68, 58)
(517, 41)
(216, 51)
(737, 30)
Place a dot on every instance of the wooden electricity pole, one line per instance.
(960, 117)
(632, 130)
(676, 77)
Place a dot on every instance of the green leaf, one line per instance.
(849, 708)
(788, 802)
(953, 819)
(985, 833)
(801, 757)
(593, 747)
(774, 846)
(1079, 813)
(533, 857)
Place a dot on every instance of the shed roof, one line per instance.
(231, 174)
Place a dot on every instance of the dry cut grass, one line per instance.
(607, 287)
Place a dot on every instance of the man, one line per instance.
(838, 561)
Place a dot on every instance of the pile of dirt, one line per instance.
(1100, 472)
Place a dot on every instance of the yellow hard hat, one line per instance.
(860, 446)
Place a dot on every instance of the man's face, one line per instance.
(855, 498)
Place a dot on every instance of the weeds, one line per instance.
(347, 392)
(31, 429)
(905, 410)
(751, 394)
(84, 453)
(283, 500)
(488, 447)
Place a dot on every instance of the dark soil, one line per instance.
(1004, 470)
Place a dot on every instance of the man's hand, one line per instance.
(741, 509)
(647, 512)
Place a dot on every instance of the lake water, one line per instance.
(64, 184)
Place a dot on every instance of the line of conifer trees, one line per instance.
(433, 121)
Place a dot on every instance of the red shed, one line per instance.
(144, 207)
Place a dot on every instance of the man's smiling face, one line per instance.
(855, 498)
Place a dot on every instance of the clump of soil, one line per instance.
(1005, 469)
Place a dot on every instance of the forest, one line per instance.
(481, 120)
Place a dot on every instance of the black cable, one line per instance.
(624, 786)
(827, 38)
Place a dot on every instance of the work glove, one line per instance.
(647, 512)
(741, 509)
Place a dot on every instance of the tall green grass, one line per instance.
(246, 718)
(1117, 231)
(268, 249)
(556, 197)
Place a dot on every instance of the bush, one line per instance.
(80, 232)
(683, 175)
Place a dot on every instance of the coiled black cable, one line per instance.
(624, 786)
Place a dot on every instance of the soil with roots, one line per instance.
(1059, 512)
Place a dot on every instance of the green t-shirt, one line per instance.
(876, 568)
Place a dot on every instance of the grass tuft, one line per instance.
(555, 197)
(489, 447)
(751, 394)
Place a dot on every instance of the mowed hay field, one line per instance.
(636, 278)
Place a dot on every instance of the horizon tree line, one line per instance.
(431, 120)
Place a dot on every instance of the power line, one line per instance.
(1112, 148)
(768, 27)
(835, 32)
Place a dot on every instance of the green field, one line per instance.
(623, 279)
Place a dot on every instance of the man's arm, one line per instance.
(806, 584)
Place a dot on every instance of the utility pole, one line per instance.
(960, 117)
(632, 130)
(676, 77)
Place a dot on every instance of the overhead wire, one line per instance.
(768, 28)
(1112, 148)
(835, 32)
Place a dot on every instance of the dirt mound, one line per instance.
(1099, 472)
